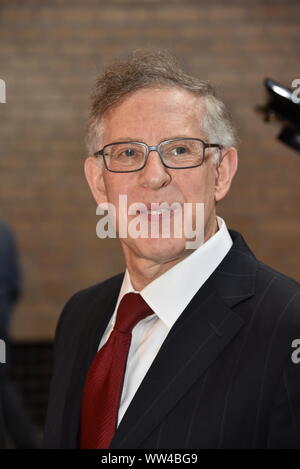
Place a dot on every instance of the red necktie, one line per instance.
(104, 380)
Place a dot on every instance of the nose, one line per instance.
(154, 175)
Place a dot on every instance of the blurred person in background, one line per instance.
(2, 427)
(18, 429)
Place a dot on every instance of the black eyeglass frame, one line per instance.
(157, 149)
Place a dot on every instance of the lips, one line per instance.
(159, 208)
(157, 212)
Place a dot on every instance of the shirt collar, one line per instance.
(170, 293)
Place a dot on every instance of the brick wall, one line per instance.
(50, 54)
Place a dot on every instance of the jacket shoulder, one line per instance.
(88, 294)
(284, 282)
(84, 298)
(279, 296)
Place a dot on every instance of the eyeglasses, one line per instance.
(177, 153)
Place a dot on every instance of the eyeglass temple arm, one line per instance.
(214, 145)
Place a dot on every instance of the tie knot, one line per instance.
(132, 309)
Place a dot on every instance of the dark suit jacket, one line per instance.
(223, 378)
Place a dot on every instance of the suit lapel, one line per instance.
(197, 338)
(96, 318)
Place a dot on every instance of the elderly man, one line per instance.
(190, 348)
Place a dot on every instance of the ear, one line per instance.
(225, 171)
(93, 169)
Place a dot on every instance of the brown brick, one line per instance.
(50, 54)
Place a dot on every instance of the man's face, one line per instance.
(150, 116)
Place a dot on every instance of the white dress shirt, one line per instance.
(167, 295)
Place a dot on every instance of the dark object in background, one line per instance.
(10, 278)
(31, 369)
(15, 421)
(282, 106)
(2, 428)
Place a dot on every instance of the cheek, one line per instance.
(115, 186)
(197, 189)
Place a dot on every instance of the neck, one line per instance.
(143, 271)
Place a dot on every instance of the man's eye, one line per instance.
(128, 152)
(179, 150)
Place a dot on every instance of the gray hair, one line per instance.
(146, 69)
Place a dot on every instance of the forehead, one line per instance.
(154, 114)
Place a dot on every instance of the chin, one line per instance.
(160, 249)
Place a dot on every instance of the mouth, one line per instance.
(156, 212)
(156, 209)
